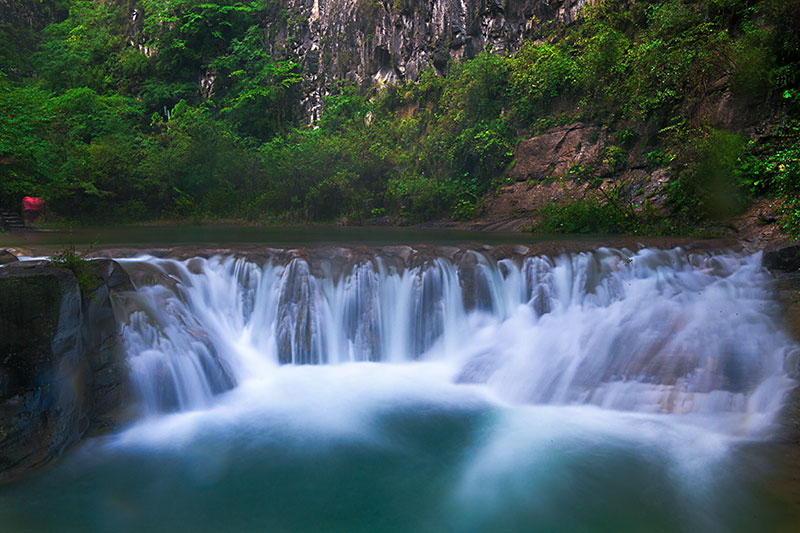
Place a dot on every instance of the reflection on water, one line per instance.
(272, 235)
(282, 236)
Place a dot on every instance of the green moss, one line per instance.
(73, 260)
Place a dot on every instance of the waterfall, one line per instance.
(654, 331)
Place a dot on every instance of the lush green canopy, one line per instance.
(181, 112)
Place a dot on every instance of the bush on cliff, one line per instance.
(183, 114)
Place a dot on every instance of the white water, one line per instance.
(600, 391)
(653, 331)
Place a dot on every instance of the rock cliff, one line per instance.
(62, 370)
(382, 42)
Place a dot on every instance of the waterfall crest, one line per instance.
(660, 331)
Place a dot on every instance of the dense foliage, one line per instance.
(180, 112)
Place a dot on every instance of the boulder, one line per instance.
(475, 283)
(576, 148)
(42, 371)
(7, 257)
(786, 258)
(103, 304)
(62, 367)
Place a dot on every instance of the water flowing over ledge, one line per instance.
(653, 331)
(439, 389)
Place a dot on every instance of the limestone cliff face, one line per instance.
(33, 14)
(389, 41)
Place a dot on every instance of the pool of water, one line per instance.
(380, 447)
(612, 390)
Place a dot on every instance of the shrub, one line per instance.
(587, 215)
(708, 187)
(539, 72)
(68, 257)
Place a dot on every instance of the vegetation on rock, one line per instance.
(75, 261)
(179, 112)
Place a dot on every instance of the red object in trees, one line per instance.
(30, 203)
(32, 207)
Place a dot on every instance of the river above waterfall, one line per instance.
(432, 389)
(204, 237)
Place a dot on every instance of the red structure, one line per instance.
(32, 207)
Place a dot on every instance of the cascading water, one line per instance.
(655, 331)
(405, 390)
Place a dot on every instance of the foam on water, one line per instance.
(662, 332)
(606, 390)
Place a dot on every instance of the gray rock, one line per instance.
(7, 257)
(475, 288)
(298, 329)
(102, 304)
(386, 42)
(42, 408)
(62, 369)
(786, 259)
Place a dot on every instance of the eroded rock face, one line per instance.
(576, 148)
(389, 41)
(61, 369)
(298, 331)
(42, 373)
(102, 344)
(475, 283)
(785, 264)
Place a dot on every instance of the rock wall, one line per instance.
(103, 312)
(33, 14)
(389, 41)
(62, 370)
(41, 368)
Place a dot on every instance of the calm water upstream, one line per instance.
(153, 236)
(612, 390)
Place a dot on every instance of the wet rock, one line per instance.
(146, 274)
(429, 313)
(7, 257)
(62, 370)
(362, 313)
(43, 373)
(538, 275)
(474, 277)
(297, 327)
(786, 259)
(103, 301)
(788, 289)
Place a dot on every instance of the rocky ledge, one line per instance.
(62, 369)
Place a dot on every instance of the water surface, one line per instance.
(613, 390)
